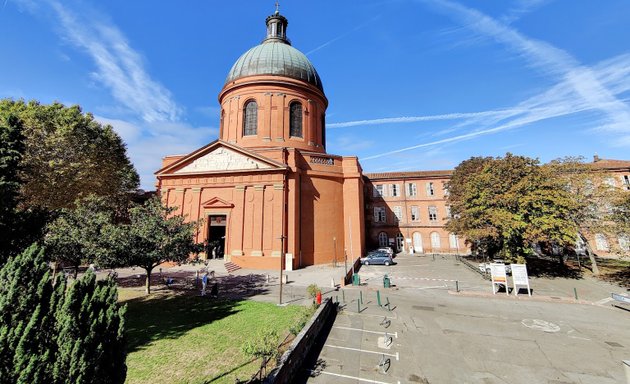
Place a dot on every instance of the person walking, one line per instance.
(204, 283)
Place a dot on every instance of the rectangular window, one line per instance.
(379, 214)
(394, 190)
(398, 213)
(411, 189)
(432, 213)
(626, 181)
(378, 191)
(430, 190)
(415, 214)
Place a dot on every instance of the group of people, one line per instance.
(205, 279)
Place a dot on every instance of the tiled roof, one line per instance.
(406, 175)
(611, 164)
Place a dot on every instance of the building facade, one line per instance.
(267, 193)
(266, 190)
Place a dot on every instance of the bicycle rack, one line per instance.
(386, 322)
(384, 364)
(388, 339)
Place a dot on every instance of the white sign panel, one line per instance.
(520, 278)
(499, 276)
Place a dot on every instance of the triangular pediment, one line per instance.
(216, 202)
(220, 157)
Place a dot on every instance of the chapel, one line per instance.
(267, 190)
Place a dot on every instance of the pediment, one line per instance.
(216, 202)
(220, 157)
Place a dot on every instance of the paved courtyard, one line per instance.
(440, 336)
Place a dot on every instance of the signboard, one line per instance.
(497, 272)
(520, 278)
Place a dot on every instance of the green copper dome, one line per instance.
(275, 56)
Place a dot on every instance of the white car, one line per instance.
(485, 267)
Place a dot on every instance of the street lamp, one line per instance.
(281, 263)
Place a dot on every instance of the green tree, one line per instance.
(11, 151)
(68, 155)
(78, 235)
(506, 205)
(52, 333)
(152, 236)
(90, 328)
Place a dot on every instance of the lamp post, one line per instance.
(281, 264)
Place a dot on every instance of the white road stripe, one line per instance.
(363, 330)
(397, 356)
(352, 377)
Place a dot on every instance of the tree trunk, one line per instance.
(591, 256)
(148, 282)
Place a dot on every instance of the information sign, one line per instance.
(520, 278)
(499, 277)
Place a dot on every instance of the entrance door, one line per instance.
(216, 236)
(400, 242)
(417, 242)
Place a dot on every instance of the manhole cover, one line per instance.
(423, 308)
(613, 344)
(541, 325)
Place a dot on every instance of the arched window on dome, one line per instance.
(250, 118)
(295, 119)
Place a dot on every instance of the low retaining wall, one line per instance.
(292, 360)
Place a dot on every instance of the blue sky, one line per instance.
(412, 85)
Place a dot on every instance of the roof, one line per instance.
(408, 175)
(611, 164)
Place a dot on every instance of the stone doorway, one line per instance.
(216, 236)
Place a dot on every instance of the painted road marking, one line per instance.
(397, 355)
(420, 278)
(363, 330)
(389, 316)
(350, 377)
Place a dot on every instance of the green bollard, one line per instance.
(378, 298)
(387, 305)
(336, 299)
(575, 292)
(358, 307)
(361, 297)
(343, 295)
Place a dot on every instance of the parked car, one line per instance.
(388, 250)
(377, 257)
(485, 267)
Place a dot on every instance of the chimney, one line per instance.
(596, 158)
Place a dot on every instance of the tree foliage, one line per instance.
(505, 205)
(152, 236)
(52, 333)
(81, 234)
(68, 155)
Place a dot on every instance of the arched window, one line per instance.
(250, 118)
(295, 119)
(453, 241)
(601, 243)
(435, 240)
(400, 242)
(382, 239)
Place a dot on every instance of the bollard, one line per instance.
(358, 307)
(575, 293)
(387, 304)
(456, 285)
(361, 296)
(337, 299)
(378, 298)
(343, 295)
(434, 257)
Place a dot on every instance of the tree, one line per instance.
(68, 155)
(52, 333)
(506, 205)
(154, 235)
(77, 235)
(11, 151)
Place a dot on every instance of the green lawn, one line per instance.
(179, 338)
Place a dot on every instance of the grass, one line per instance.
(179, 338)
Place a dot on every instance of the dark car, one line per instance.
(377, 257)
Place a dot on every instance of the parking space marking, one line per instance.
(352, 377)
(397, 355)
(389, 314)
(363, 330)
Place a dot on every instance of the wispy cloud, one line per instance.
(119, 67)
(579, 89)
(331, 41)
(415, 119)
